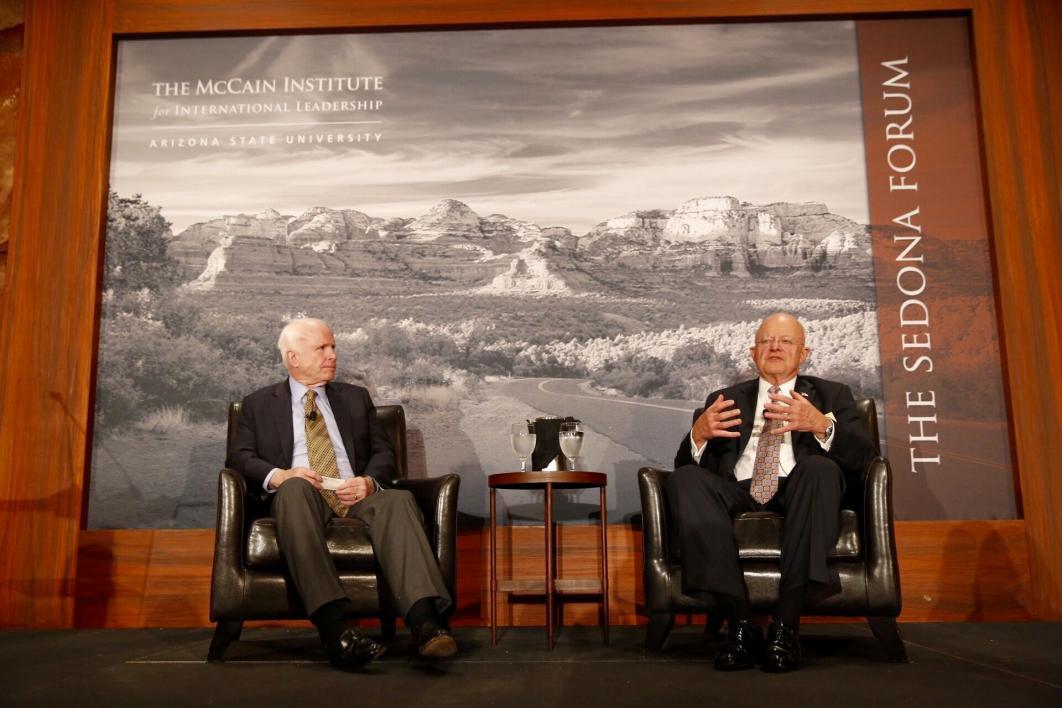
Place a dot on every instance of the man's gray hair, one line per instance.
(294, 331)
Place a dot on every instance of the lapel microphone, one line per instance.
(312, 415)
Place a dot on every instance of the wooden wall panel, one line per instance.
(950, 571)
(11, 26)
(49, 309)
(964, 571)
(1016, 46)
(61, 169)
(138, 16)
(144, 578)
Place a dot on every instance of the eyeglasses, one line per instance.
(780, 341)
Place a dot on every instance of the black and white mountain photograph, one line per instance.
(499, 225)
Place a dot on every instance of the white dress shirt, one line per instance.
(299, 455)
(747, 461)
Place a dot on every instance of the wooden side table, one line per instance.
(552, 586)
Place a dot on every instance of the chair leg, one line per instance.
(226, 632)
(656, 633)
(888, 633)
(388, 623)
(713, 624)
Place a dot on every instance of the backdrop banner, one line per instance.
(945, 406)
(506, 224)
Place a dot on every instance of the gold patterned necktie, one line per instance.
(320, 451)
(765, 469)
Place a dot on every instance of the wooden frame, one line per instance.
(50, 310)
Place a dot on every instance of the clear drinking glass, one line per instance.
(571, 440)
(522, 436)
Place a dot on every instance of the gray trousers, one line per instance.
(396, 529)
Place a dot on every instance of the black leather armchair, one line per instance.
(864, 557)
(249, 580)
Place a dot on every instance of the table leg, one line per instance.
(493, 572)
(549, 565)
(558, 602)
(604, 563)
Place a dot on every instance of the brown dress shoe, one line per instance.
(434, 642)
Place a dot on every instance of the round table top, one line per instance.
(540, 478)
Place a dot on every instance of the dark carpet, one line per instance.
(951, 665)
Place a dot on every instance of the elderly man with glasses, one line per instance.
(781, 442)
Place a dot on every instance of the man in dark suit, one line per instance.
(783, 443)
(315, 447)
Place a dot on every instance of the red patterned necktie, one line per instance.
(320, 451)
(765, 469)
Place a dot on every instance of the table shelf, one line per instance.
(561, 586)
(548, 481)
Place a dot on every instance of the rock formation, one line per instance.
(447, 218)
(331, 226)
(714, 235)
(529, 272)
(729, 237)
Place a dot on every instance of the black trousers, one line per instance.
(396, 528)
(703, 505)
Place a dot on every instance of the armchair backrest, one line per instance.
(868, 413)
(234, 415)
(392, 418)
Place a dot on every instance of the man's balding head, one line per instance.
(779, 348)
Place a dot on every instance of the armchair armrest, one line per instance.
(437, 499)
(228, 577)
(883, 577)
(655, 539)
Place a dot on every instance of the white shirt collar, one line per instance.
(786, 386)
(299, 389)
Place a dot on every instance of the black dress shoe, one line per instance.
(743, 648)
(354, 650)
(434, 642)
(783, 648)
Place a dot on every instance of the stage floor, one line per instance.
(951, 665)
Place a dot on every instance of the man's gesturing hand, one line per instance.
(281, 476)
(718, 420)
(796, 414)
(354, 490)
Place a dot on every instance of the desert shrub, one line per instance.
(692, 369)
(180, 316)
(117, 399)
(485, 362)
(166, 419)
(251, 338)
(634, 375)
(424, 371)
(389, 341)
(404, 345)
(143, 367)
(382, 372)
(527, 364)
(697, 369)
(431, 398)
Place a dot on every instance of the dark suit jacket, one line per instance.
(265, 437)
(852, 448)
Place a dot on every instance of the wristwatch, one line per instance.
(829, 432)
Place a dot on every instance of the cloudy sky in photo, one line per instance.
(562, 127)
